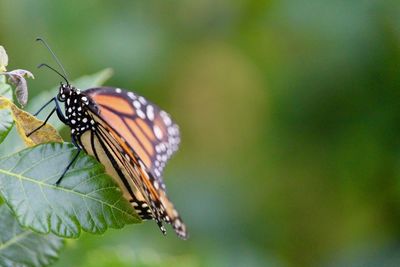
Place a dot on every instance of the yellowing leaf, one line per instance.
(26, 123)
(4, 102)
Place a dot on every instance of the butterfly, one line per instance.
(132, 137)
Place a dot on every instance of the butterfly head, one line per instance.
(65, 91)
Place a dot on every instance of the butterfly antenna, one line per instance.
(53, 69)
(65, 76)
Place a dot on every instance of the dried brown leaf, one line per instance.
(17, 78)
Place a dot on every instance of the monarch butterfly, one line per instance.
(130, 136)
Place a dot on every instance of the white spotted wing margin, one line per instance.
(166, 131)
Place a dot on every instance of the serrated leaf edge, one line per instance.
(21, 177)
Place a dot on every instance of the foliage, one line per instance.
(24, 248)
(289, 113)
(87, 199)
(36, 212)
(6, 121)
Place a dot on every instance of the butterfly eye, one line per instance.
(64, 91)
(61, 97)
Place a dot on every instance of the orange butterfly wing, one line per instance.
(153, 137)
(151, 130)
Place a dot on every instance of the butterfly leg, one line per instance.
(57, 109)
(60, 114)
(43, 124)
(71, 162)
(45, 105)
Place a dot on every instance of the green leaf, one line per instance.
(6, 123)
(5, 88)
(19, 247)
(14, 139)
(6, 119)
(87, 199)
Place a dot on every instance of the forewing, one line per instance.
(152, 133)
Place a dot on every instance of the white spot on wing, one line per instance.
(166, 118)
(131, 95)
(136, 104)
(141, 114)
(150, 112)
(156, 185)
(157, 131)
(142, 100)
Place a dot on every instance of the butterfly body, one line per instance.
(133, 139)
(76, 110)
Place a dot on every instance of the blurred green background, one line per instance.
(290, 120)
